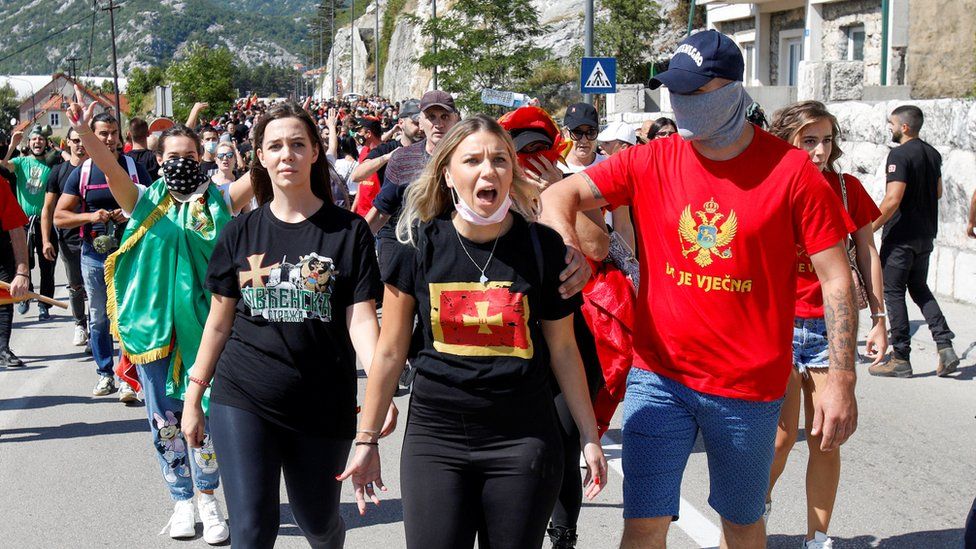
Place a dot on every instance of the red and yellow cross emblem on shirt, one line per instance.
(475, 319)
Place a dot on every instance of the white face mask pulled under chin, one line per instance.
(473, 217)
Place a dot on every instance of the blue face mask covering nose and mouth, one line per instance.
(714, 119)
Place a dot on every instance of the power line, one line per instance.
(41, 40)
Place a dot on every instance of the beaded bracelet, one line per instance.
(199, 382)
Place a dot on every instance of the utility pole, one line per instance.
(352, 49)
(433, 15)
(321, 61)
(376, 48)
(74, 67)
(115, 64)
(332, 46)
(587, 40)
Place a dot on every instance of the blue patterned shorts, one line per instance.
(662, 419)
(810, 348)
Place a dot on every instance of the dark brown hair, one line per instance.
(178, 130)
(321, 170)
(789, 121)
(138, 129)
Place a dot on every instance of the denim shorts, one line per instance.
(662, 419)
(810, 348)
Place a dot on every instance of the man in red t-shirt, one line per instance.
(720, 211)
(369, 134)
(13, 266)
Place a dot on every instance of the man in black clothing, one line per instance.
(410, 132)
(139, 132)
(910, 217)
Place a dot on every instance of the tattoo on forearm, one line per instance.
(840, 315)
(593, 188)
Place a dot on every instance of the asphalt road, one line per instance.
(79, 471)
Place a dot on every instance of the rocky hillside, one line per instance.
(149, 31)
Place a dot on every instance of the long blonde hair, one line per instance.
(790, 120)
(429, 196)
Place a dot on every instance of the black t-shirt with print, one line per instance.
(483, 344)
(289, 358)
(919, 166)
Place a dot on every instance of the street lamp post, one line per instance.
(376, 48)
(587, 40)
(352, 49)
(433, 15)
(332, 46)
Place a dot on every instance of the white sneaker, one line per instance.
(105, 386)
(127, 393)
(182, 524)
(214, 526)
(81, 336)
(819, 541)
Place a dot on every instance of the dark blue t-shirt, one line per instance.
(99, 199)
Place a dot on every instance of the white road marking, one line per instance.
(692, 522)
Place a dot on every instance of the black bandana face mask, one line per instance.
(182, 176)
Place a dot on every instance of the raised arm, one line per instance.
(835, 416)
(191, 121)
(14, 141)
(369, 166)
(241, 192)
(330, 122)
(122, 187)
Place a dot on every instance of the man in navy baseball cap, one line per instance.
(698, 59)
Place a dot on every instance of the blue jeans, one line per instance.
(93, 274)
(182, 467)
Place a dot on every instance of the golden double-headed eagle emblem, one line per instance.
(707, 238)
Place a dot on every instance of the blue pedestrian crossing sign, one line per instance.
(598, 75)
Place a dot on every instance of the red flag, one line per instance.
(473, 319)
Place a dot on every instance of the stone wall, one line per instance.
(838, 18)
(779, 22)
(737, 25)
(942, 50)
(950, 127)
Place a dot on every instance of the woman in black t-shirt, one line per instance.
(482, 451)
(294, 286)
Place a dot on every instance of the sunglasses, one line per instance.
(75, 141)
(225, 156)
(590, 134)
(665, 133)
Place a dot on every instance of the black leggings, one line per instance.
(253, 453)
(492, 473)
(7, 270)
(35, 247)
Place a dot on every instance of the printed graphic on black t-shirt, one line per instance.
(294, 292)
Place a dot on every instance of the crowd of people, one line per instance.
(533, 275)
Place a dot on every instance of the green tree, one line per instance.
(627, 35)
(142, 84)
(205, 74)
(265, 79)
(9, 106)
(483, 45)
